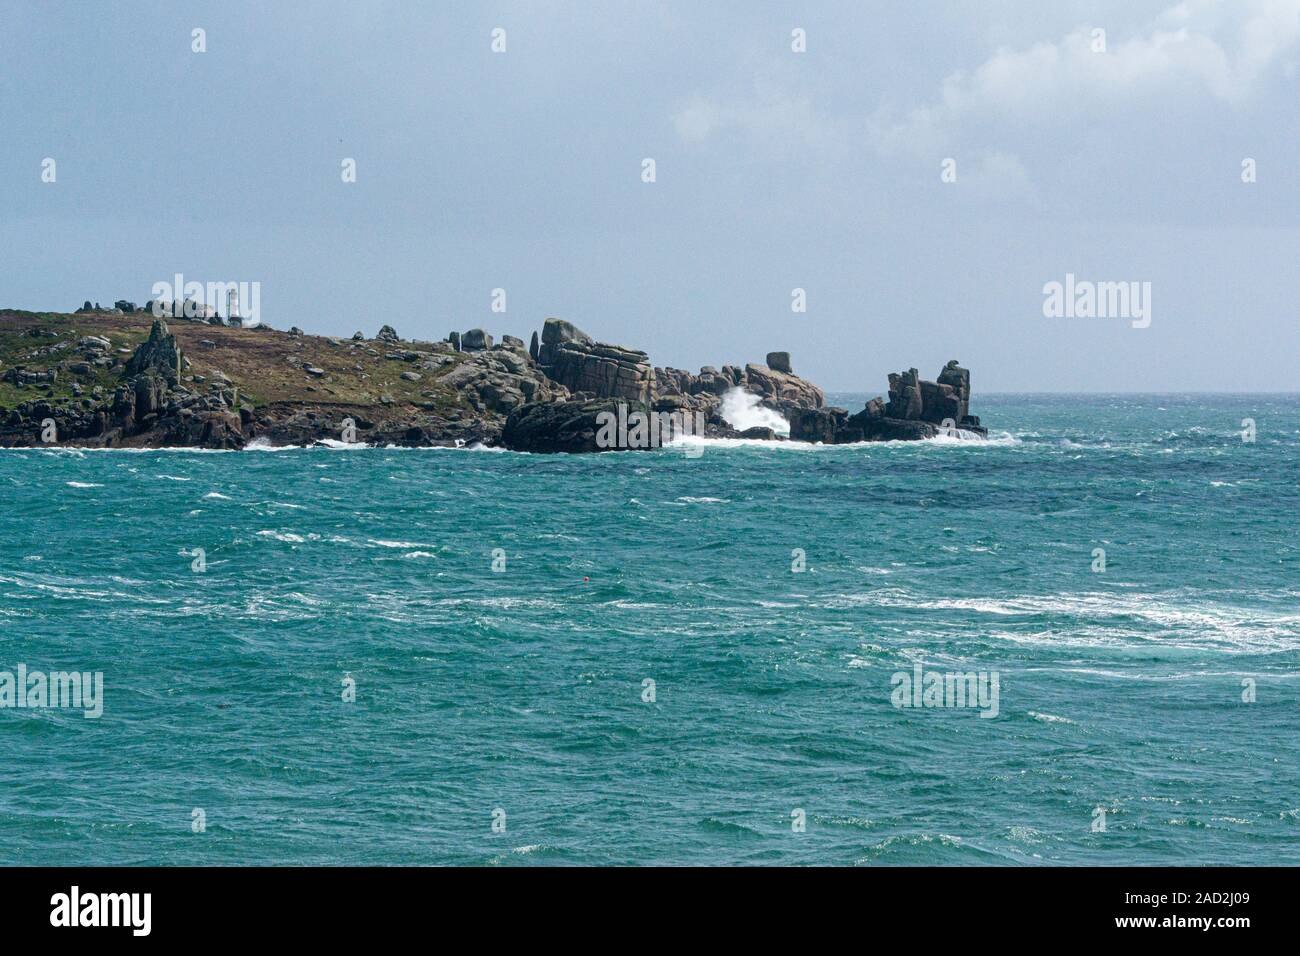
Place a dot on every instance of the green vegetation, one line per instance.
(266, 365)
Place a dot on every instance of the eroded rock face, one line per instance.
(709, 385)
(779, 362)
(893, 429)
(916, 409)
(570, 426)
(782, 391)
(500, 380)
(605, 371)
(818, 424)
(571, 358)
(149, 391)
(904, 395)
(220, 428)
(945, 400)
(143, 411)
(158, 353)
(555, 332)
(601, 424)
(475, 340)
(958, 379)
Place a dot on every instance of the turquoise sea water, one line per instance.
(522, 689)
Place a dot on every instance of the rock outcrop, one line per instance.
(568, 426)
(556, 332)
(158, 353)
(104, 382)
(475, 340)
(601, 424)
(779, 362)
(780, 391)
(149, 408)
(917, 409)
(583, 366)
(498, 380)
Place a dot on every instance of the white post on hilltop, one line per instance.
(232, 306)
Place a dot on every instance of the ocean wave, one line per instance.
(728, 827)
(911, 841)
(1023, 834)
(80, 451)
(262, 444)
(287, 536)
(1099, 618)
(687, 442)
(964, 440)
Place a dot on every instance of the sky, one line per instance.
(775, 169)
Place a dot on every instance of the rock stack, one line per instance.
(916, 409)
(158, 353)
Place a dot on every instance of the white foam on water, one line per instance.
(287, 536)
(262, 444)
(684, 442)
(964, 439)
(1130, 620)
(80, 451)
(335, 445)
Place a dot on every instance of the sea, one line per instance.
(1075, 642)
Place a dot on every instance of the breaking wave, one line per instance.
(742, 410)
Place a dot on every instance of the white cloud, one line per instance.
(769, 115)
(1197, 48)
(998, 176)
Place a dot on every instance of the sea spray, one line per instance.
(742, 410)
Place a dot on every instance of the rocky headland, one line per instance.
(123, 378)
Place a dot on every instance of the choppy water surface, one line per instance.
(523, 689)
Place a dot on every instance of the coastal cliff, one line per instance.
(123, 378)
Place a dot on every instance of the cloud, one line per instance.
(1199, 48)
(768, 115)
(998, 176)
